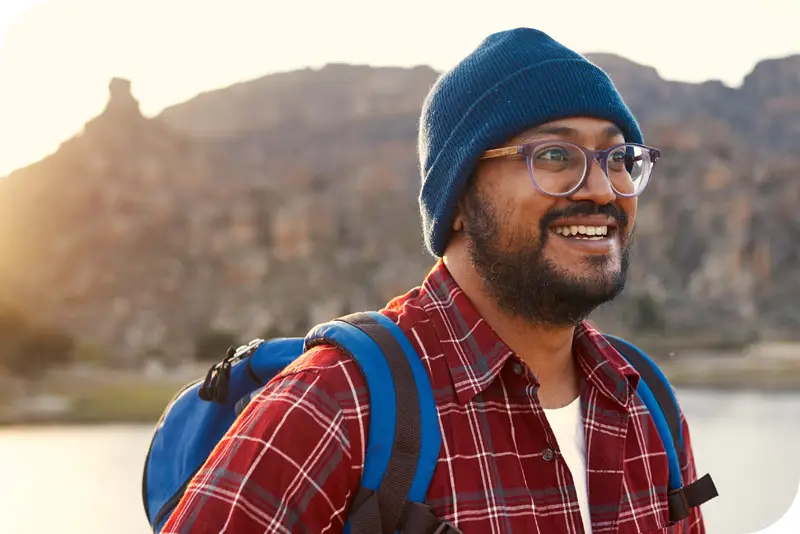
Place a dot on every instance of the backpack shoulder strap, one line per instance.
(658, 395)
(660, 390)
(403, 441)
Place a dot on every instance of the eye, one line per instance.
(618, 157)
(627, 158)
(553, 153)
(621, 159)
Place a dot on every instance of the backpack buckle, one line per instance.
(215, 385)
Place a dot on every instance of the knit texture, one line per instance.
(513, 81)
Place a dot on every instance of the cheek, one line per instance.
(521, 199)
(516, 204)
(526, 214)
(630, 207)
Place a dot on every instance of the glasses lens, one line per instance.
(556, 167)
(629, 169)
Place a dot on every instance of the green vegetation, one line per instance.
(100, 396)
(28, 350)
(140, 402)
(754, 374)
(92, 355)
(647, 316)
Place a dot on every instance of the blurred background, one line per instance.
(178, 176)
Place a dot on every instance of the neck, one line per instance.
(546, 350)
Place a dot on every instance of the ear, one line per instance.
(458, 221)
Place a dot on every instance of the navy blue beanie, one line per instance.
(513, 81)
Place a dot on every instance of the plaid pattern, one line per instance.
(292, 462)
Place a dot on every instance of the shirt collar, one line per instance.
(603, 366)
(475, 354)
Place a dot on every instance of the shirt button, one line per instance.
(547, 455)
(517, 368)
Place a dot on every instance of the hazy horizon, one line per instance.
(57, 57)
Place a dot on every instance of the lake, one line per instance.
(87, 480)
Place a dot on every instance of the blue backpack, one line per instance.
(404, 437)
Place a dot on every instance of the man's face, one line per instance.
(516, 235)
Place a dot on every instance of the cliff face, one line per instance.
(764, 112)
(280, 202)
(99, 236)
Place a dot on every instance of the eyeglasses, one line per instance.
(559, 168)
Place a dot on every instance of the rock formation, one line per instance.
(280, 202)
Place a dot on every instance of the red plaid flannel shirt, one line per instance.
(292, 462)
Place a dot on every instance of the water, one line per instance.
(87, 480)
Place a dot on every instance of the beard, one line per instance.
(523, 282)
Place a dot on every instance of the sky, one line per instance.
(57, 56)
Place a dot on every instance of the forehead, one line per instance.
(580, 129)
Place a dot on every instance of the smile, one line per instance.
(591, 235)
(573, 231)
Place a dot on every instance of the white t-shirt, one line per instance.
(567, 425)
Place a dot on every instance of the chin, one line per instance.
(593, 281)
(590, 267)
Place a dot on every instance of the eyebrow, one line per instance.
(565, 131)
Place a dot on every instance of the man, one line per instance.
(529, 200)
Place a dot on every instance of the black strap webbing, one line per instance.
(657, 386)
(420, 519)
(387, 505)
(682, 500)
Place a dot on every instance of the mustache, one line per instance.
(584, 207)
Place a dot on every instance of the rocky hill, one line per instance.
(276, 203)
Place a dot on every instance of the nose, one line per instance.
(596, 188)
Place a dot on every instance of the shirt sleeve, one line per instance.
(695, 522)
(291, 462)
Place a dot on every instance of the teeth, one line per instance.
(583, 232)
